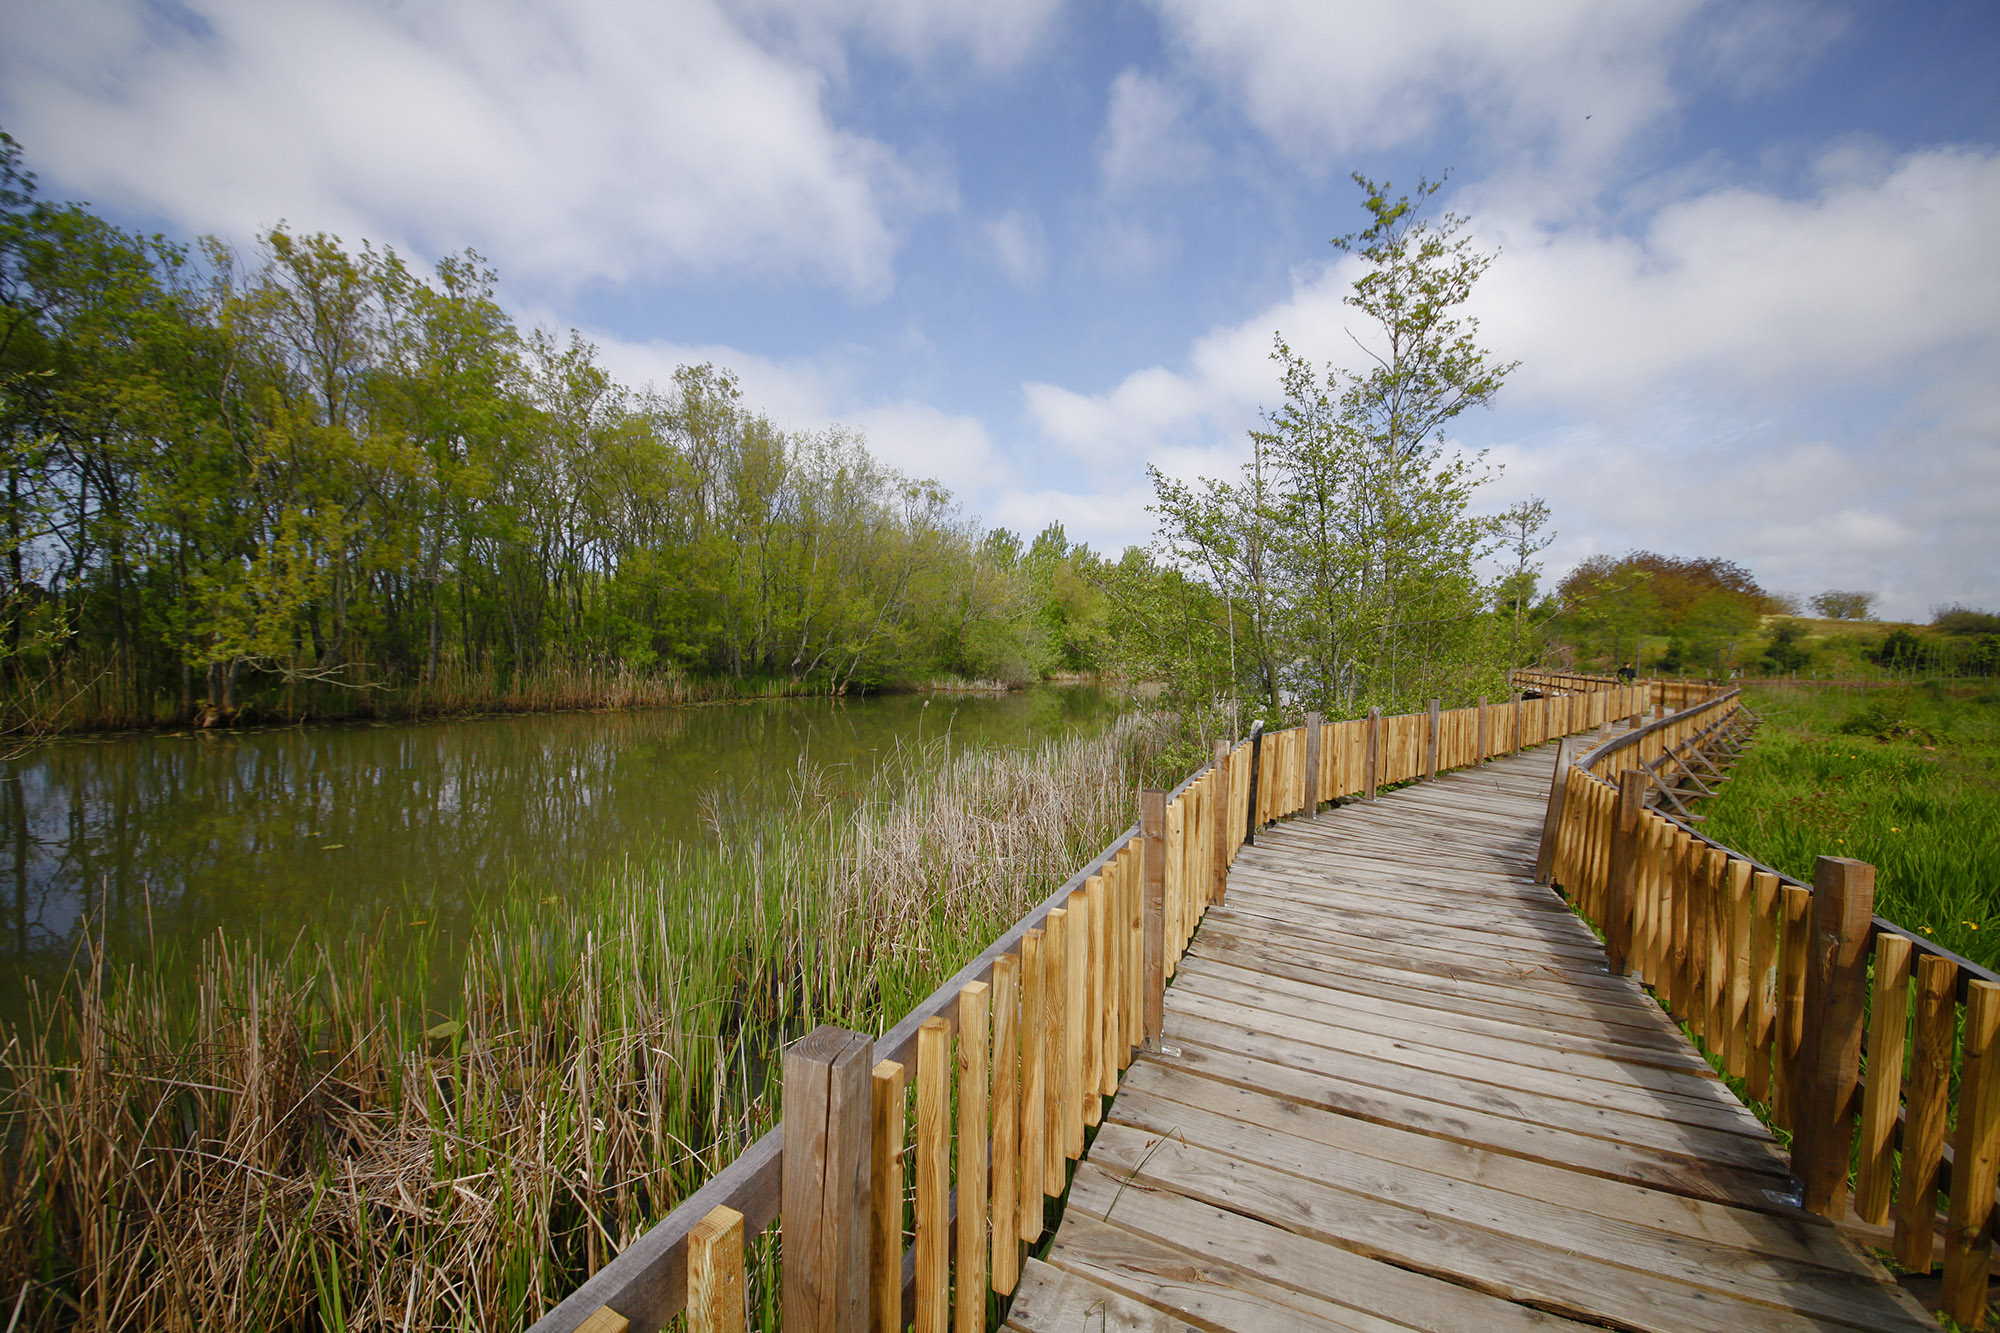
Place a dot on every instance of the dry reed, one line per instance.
(293, 1143)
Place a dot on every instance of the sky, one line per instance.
(1745, 249)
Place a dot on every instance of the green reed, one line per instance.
(301, 1142)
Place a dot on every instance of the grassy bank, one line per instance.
(1905, 778)
(296, 1143)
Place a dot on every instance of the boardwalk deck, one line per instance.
(1399, 1089)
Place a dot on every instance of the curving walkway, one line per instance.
(1399, 1089)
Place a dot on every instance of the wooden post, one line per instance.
(1968, 1250)
(1256, 780)
(1076, 957)
(1311, 797)
(1095, 1004)
(1484, 739)
(825, 1194)
(973, 1025)
(1371, 758)
(1431, 745)
(715, 1273)
(1545, 858)
(1153, 976)
(1055, 1036)
(1625, 835)
(1221, 820)
(933, 1166)
(1884, 1093)
(1843, 905)
(1514, 744)
(1923, 1131)
(1006, 1161)
(885, 1251)
(1034, 1081)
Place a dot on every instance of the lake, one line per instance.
(156, 841)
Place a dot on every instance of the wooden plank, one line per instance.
(1055, 1037)
(1474, 1059)
(933, 1168)
(974, 1023)
(1451, 1089)
(1578, 1050)
(1094, 1001)
(1153, 977)
(1795, 903)
(885, 1247)
(1570, 1284)
(1968, 1244)
(1161, 1095)
(1293, 1271)
(1076, 954)
(1884, 1094)
(1034, 1082)
(1680, 1173)
(1206, 1293)
(1766, 927)
(1923, 1132)
(1736, 1015)
(715, 1274)
(1840, 1292)
(1005, 1165)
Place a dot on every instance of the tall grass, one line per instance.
(295, 1143)
(1905, 778)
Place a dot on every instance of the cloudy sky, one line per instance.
(1747, 248)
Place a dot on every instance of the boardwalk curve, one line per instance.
(1398, 1087)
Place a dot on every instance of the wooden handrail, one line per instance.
(1089, 1014)
(1723, 941)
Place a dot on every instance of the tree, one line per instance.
(1844, 604)
(1346, 551)
(1521, 535)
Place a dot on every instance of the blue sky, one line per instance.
(1746, 255)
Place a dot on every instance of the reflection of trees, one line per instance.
(228, 831)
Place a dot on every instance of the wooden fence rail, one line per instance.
(1878, 1049)
(912, 1170)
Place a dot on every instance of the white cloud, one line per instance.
(1019, 245)
(1146, 138)
(1323, 77)
(1670, 380)
(994, 37)
(572, 140)
(808, 394)
(1879, 269)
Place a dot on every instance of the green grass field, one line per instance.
(1905, 778)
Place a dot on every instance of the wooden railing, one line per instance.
(1789, 986)
(982, 1094)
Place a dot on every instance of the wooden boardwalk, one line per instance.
(1399, 1089)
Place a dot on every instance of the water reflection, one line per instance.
(336, 830)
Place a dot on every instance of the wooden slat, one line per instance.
(1005, 1165)
(885, 1248)
(933, 1168)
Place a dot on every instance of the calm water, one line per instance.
(335, 830)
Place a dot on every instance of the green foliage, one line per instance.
(1338, 570)
(311, 472)
(1610, 609)
(1907, 779)
(1964, 620)
(1788, 652)
(1844, 604)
